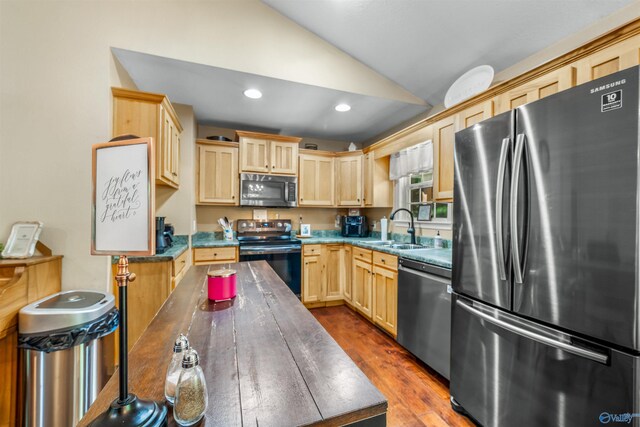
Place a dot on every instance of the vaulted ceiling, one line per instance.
(390, 60)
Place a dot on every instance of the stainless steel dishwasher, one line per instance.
(424, 312)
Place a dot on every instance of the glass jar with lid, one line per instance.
(175, 366)
(191, 391)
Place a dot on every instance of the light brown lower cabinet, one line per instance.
(364, 279)
(21, 283)
(323, 274)
(215, 255)
(348, 271)
(153, 284)
(311, 279)
(385, 304)
(362, 287)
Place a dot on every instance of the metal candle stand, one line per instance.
(128, 409)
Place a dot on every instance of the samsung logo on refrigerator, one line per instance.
(608, 86)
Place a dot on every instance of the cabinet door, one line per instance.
(548, 84)
(367, 191)
(284, 158)
(362, 292)
(254, 155)
(145, 297)
(610, 60)
(475, 114)
(165, 147)
(377, 188)
(315, 181)
(312, 279)
(349, 181)
(385, 297)
(218, 175)
(347, 263)
(443, 139)
(175, 155)
(9, 375)
(334, 272)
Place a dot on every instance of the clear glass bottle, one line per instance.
(191, 392)
(175, 366)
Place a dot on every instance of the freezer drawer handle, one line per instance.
(513, 208)
(578, 351)
(499, 195)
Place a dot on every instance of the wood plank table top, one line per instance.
(266, 359)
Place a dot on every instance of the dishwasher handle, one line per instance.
(429, 276)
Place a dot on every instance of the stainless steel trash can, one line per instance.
(60, 344)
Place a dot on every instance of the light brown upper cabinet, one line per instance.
(268, 154)
(378, 189)
(443, 139)
(151, 115)
(217, 176)
(550, 83)
(475, 114)
(316, 180)
(349, 185)
(610, 60)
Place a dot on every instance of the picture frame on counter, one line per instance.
(305, 230)
(22, 240)
(123, 197)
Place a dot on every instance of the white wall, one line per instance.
(56, 71)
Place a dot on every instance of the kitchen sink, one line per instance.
(380, 242)
(406, 246)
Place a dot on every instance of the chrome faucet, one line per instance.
(411, 230)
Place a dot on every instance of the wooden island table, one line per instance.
(266, 359)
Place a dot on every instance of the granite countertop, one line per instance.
(428, 254)
(204, 239)
(180, 244)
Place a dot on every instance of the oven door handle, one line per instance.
(261, 250)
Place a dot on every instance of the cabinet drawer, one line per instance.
(363, 254)
(203, 255)
(312, 249)
(179, 264)
(385, 260)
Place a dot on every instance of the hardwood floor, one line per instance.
(417, 395)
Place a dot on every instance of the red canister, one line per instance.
(221, 284)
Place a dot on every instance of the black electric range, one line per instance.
(271, 241)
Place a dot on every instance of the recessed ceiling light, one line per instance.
(343, 107)
(253, 93)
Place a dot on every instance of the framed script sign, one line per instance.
(123, 199)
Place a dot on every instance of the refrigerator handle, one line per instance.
(513, 208)
(502, 165)
(570, 348)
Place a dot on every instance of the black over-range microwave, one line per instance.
(271, 191)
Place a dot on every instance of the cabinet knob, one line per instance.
(358, 200)
(174, 174)
(383, 261)
(273, 167)
(302, 200)
(233, 197)
(266, 166)
(215, 254)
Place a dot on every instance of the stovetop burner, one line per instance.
(265, 232)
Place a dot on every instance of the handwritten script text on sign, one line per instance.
(121, 196)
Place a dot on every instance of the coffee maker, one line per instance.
(161, 243)
(354, 226)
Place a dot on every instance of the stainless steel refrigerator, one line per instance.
(546, 261)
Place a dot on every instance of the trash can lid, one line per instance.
(64, 310)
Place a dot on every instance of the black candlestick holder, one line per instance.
(128, 409)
